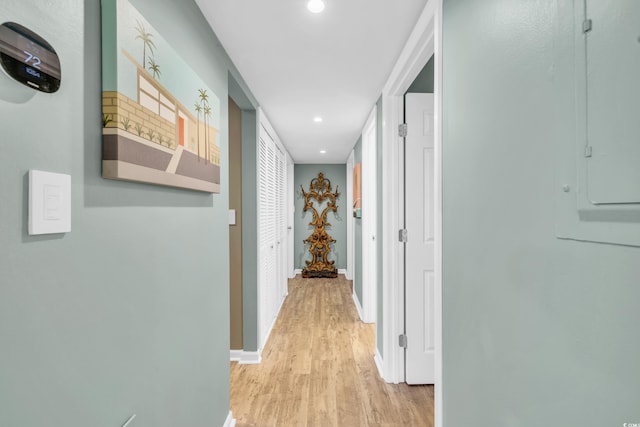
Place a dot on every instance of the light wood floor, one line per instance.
(318, 370)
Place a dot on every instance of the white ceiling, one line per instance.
(300, 65)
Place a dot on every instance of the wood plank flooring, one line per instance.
(318, 369)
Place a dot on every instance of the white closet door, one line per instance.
(263, 244)
(270, 256)
(272, 212)
(272, 223)
(281, 224)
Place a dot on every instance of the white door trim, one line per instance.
(290, 218)
(369, 220)
(350, 224)
(425, 40)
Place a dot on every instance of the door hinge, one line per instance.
(587, 24)
(402, 341)
(588, 151)
(402, 130)
(402, 236)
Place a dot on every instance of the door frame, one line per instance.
(369, 220)
(291, 269)
(425, 40)
(350, 223)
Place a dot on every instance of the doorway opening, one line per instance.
(242, 225)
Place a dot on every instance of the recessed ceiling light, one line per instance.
(323, 151)
(317, 119)
(315, 6)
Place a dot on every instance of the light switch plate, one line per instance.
(232, 217)
(49, 202)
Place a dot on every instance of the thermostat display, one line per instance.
(28, 58)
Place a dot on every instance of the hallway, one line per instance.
(318, 369)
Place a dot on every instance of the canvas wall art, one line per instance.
(160, 121)
(357, 188)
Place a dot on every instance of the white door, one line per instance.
(420, 247)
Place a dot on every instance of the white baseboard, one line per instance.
(298, 271)
(358, 306)
(251, 358)
(255, 357)
(273, 323)
(379, 363)
(230, 421)
(236, 355)
(246, 357)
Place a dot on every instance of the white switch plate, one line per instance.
(49, 202)
(232, 217)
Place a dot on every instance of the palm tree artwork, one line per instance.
(204, 101)
(207, 114)
(147, 41)
(203, 106)
(155, 106)
(154, 68)
(198, 109)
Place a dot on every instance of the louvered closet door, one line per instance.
(270, 285)
(263, 249)
(268, 292)
(272, 222)
(281, 225)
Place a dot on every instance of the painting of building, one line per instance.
(160, 121)
(357, 188)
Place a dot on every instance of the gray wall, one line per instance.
(128, 313)
(357, 225)
(423, 82)
(546, 328)
(337, 174)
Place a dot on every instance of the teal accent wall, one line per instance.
(546, 328)
(337, 174)
(357, 225)
(380, 219)
(128, 313)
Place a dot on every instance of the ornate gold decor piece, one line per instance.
(320, 240)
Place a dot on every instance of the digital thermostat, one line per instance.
(28, 58)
